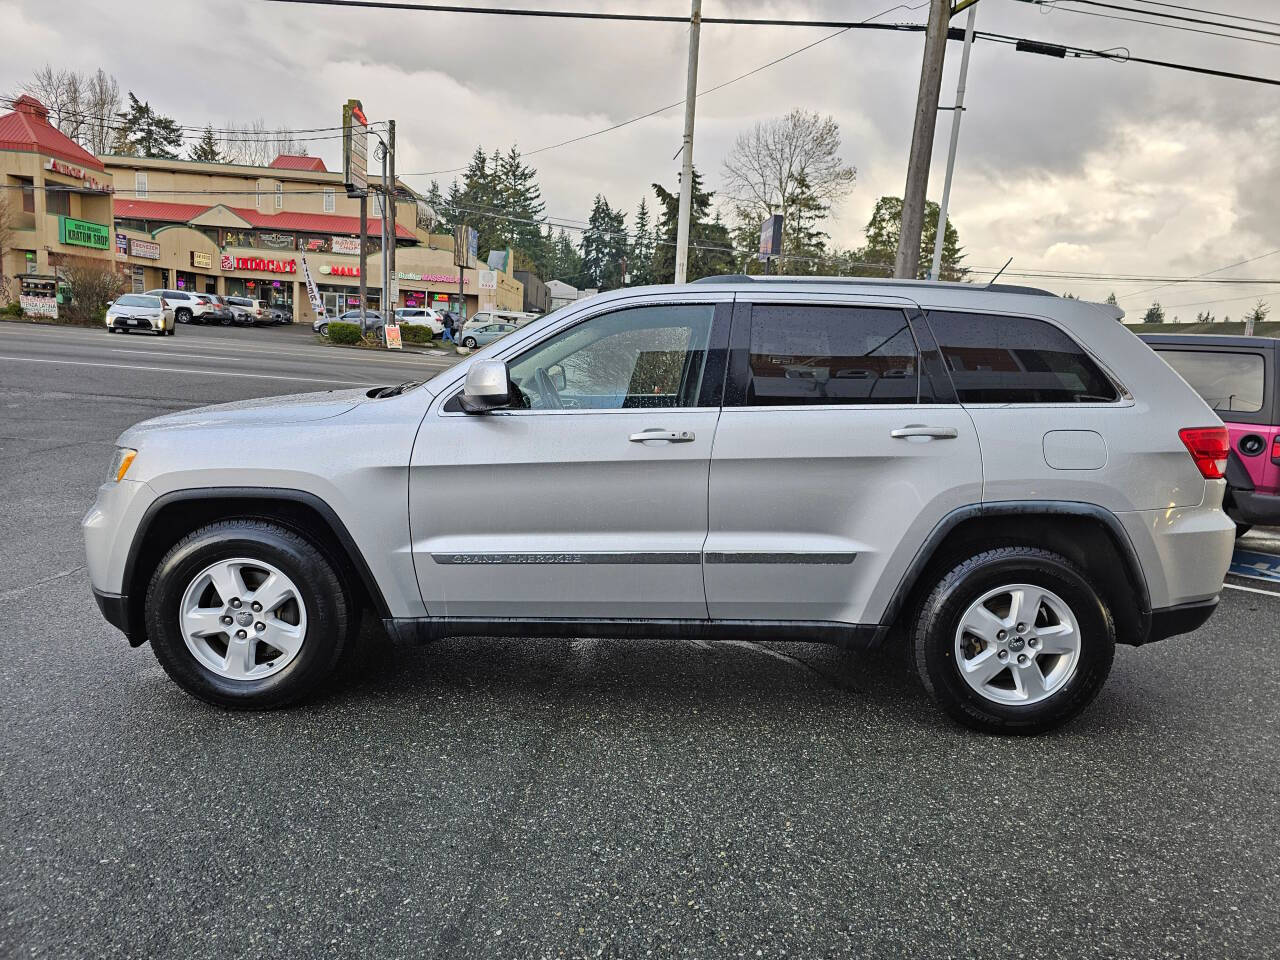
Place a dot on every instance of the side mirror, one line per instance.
(558, 377)
(487, 387)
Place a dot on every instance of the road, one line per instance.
(504, 798)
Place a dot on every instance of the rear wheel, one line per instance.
(324, 329)
(1014, 640)
(182, 315)
(469, 342)
(248, 614)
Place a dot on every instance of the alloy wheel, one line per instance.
(1017, 644)
(243, 619)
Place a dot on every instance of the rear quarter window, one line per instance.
(1003, 359)
(1229, 382)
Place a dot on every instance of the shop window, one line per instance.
(140, 185)
(57, 202)
(330, 201)
(28, 198)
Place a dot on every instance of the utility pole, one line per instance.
(913, 201)
(364, 256)
(686, 168)
(935, 271)
(391, 231)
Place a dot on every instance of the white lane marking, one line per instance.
(1269, 593)
(199, 373)
(169, 353)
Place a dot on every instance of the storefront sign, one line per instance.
(276, 241)
(122, 246)
(83, 233)
(258, 264)
(349, 245)
(430, 277)
(147, 249)
(75, 173)
(488, 279)
(340, 271)
(139, 279)
(39, 306)
(202, 261)
(313, 244)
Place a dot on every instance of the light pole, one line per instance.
(935, 270)
(686, 168)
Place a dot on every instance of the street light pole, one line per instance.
(935, 271)
(914, 197)
(686, 168)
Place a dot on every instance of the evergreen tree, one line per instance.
(145, 133)
(883, 230)
(206, 149)
(564, 262)
(1154, 314)
(710, 245)
(640, 259)
(604, 245)
(1111, 299)
(520, 198)
(444, 215)
(804, 242)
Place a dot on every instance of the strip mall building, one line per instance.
(218, 228)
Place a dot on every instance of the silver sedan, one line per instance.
(481, 336)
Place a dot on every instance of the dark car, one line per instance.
(220, 311)
(1237, 377)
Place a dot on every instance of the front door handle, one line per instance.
(920, 430)
(657, 433)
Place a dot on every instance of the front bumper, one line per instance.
(115, 610)
(139, 323)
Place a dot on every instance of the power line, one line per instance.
(1230, 266)
(1155, 13)
(1154, 23)
(1220, 13)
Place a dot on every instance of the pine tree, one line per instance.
(882, 234)
(1111, 299)
(444, 219)
(564, 262)
(640, 259)
(206, 148)
(520, 199)
(145, 133)
(804, 242)
(710, 246)
(604, 246)
(1154, 314)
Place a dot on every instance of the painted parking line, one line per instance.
(1256, 566)
(1236, 586)
(201, 373)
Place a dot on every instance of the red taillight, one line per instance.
(1275, 448)
(1209, 447)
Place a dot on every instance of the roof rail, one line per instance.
(878, 281)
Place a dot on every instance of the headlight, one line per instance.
(121, 463)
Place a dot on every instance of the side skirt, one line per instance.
(854, 636)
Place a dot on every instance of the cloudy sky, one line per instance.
(1076, 165)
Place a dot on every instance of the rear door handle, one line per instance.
(920, 430)
(657, 433)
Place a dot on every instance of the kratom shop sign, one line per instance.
(82, 233)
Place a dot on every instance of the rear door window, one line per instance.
(1229, 382)
(801, 354)
(1003, 359)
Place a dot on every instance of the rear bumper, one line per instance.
(1183, 618)
(1250, 506)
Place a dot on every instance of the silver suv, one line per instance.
(1009, 482)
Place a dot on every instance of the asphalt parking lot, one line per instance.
(504, 798)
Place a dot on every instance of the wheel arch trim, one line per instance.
(1010, 508)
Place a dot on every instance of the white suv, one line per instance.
(1008, 481)
(186, 306)
(424, 316)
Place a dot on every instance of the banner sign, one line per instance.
(39, 306)
(83, 233)
(147, 249)
(771, 237)
(488, 279)
(122, 246)
(313, 294)
(349, 245)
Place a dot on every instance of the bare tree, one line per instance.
(82, 106)
(6, 241)
(94, 284)
(101, 96)
(252, 143)
(767, 166)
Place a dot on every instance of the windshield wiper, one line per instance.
(394, 391)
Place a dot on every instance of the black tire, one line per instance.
(227, 321)
(324, 329)
(171, 331)
(469, 342)
(111, 329)
(935, 628)
(182, 315)
(329, 611)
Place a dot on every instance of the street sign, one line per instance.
(771, 237)
(355, 148)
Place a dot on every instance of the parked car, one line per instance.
(219, 310)
(372, 325)
(140, 311)
(421, 316)
(1008, 481)
(486, 317)
(248, 311)
(321, 323)
(186, 306)
(280, 313)
(1237, 378)
(482, 336)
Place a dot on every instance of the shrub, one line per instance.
(12, 309)
(346, 333)
(415, 333)
(93, 284)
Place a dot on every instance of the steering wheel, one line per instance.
(547, 390)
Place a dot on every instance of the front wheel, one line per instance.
(183, 315)
(324, 329)
(1014, 640)
(247, 614)
(469, 342)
